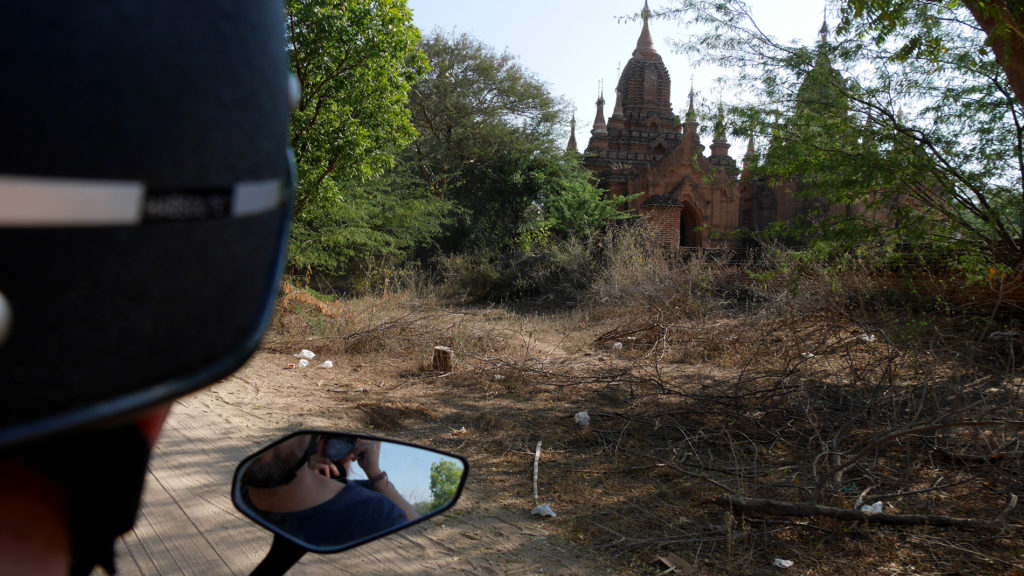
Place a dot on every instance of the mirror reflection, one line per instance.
(331, 490)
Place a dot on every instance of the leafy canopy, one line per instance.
(919, 119)
(444, 481)
(355, 61)
(1002, 22)
(490, 142)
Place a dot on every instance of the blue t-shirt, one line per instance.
(353, 514)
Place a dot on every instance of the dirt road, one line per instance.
(188, 525)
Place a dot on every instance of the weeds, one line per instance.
(768, 375)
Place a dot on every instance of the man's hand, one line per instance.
(367, 454)
(323, 466)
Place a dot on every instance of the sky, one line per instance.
(408, 469)
(572, 45)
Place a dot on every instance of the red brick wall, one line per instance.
(665, 222)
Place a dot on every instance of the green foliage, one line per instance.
(423, 508)
(487, 140)
(371, 228)
(902, 130)
(444, 481)
(559, 247)
(576, 206)
(355, 61)
(556, 274)
(485, 175)
(569, 204)
(899, 22)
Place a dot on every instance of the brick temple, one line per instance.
(693, 196)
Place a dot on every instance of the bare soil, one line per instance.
(685, 406)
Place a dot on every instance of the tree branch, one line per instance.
(805, 509)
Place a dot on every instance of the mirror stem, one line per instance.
(282, 556)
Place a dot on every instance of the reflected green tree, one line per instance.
(444, 481)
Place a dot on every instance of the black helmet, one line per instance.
(145, 193)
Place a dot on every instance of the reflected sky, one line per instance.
(408, 469)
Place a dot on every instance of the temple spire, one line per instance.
(600, 126)
(645, 44)
(719, 144)
(750, 158)
(823, 33)
(719, 137)
(691, 114)
(572, 147)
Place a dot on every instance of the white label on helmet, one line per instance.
(27, 201)
(39, 202)
(193, 205)
(251, 198)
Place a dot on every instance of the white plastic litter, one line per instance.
(784, 564)
(808, 355)
(306, 354)
(543, 510)
(617, 345)
(327, 364)
(869, 338)
(303, 363)
(582, 419)
(499, 377)
(875, 508)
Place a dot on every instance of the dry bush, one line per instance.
(642, 272)
(832, 387)
(553, 276)
(371, 324)
(397, 325)
(391, 416)
(772, 376)
(777, 377)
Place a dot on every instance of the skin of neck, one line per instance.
(34, 534)
(307, 490)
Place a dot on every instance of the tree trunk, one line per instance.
(1004, 27)
(443, 360)
(779, 508)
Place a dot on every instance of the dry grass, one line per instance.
(700, 382)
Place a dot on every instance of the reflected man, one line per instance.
(293, 486)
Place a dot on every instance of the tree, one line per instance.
(571, 205)
(445, 476)
(371, 230)
(933, 129)
(1002, 21)
(355, 61)
(487, 135)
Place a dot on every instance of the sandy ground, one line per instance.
(188, 525)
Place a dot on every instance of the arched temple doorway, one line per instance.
(689, 222)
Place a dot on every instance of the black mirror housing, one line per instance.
(331, 491)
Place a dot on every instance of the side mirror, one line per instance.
(331, 491)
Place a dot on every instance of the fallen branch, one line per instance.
(779, 508)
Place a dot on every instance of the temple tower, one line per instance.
(643, 150)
